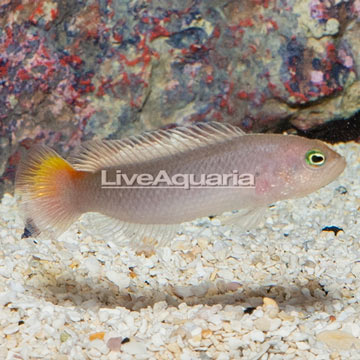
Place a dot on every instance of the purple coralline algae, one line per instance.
(75, 70)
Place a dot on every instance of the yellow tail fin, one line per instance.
(45, 183)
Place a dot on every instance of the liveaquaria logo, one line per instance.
(117, 179)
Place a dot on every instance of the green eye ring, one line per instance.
(315, 158)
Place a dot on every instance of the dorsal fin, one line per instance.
(99, 154)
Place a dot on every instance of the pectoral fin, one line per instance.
(244, 219)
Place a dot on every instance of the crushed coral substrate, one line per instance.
(287, 290)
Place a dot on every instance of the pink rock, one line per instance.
(317, 77)
(114, 344)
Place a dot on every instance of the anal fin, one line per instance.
(122, 233)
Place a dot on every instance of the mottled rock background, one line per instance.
(74, 70)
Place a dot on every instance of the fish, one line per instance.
(139, 189)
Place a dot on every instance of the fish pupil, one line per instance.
(317, 159)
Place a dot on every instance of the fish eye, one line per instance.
(315, 158)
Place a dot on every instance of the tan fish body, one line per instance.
(100, 179)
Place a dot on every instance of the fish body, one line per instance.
(102, 178)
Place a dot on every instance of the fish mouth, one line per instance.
(338, 166)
